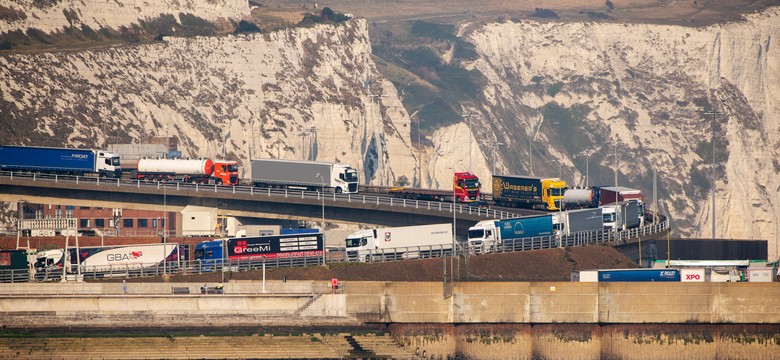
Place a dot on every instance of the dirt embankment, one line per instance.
(541, 265)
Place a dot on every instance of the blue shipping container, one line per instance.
(639, 275)
(525, 227)
(46, 159)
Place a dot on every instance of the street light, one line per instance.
(714, 114)
(532, 132)
(322, 194)
(496, 144)
(469, 116)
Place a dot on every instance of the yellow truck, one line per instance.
(525, 191)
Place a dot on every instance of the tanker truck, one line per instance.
(66, 161)
(204, 171)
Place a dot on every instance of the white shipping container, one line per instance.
(694, 275)
(761, 275)
(589, 276)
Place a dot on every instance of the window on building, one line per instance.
(127, 223)
(69, 213)
(58, 213)
(69, 207)
(143, 223)
(84, 207)
(154, 223)
(100, 223)
(83, 223)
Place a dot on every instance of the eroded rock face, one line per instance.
(642, 87)
(646, 88)
(55, 15)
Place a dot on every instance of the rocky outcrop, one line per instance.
(644, 90)
(56, 15)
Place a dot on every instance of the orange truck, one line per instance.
(465, 188)
(204, 171)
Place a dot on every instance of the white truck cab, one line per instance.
(483, 237)
(107, 164)
(610, 217)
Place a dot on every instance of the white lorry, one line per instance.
(106, 260)
(396, 243)
(306, 175)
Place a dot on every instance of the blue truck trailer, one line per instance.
(635, 275)
(65, 161)
(490, 235)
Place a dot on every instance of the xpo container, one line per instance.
(306, 175)
(694, 275)
(59, 161)
(407, 242)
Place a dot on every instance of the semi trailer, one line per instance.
(212, 253)
(304, 175)
(106, 260)
(465, 188)
(203, 171)
(66, 161)
(524, 191)
(578, 221)
(491, 235)
(394, 243)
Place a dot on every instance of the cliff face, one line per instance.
(644, 89)
(55, 15)
(638, 91)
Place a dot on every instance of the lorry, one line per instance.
(406, 242)
(628, 275)
(14, 266)
(613, 194)
(101, 261)
(533, 192)
(621, 215)
(65, 161)
(210, 254)
(305, 175)
(578, 221)
(465, 188)
(491, 235)
(203, 171)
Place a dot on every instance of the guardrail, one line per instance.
(339, 256)
(459, 208)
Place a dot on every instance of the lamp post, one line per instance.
(321, 193)
(714, 114)
(532, 136)
(496, 144)
(616, 163)
(469, 116)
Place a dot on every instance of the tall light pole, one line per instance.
(322, 195)
(714, 114)
(469, 116)
(532, 136)
(616, 163)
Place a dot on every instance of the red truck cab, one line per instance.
(225, 172)
(467, 187)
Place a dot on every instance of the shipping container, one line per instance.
(694, 275)
(762, 275)
(639, 275)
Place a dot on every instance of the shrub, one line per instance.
(6, 45)
(554, 89)
(433, 31)
(545, 14)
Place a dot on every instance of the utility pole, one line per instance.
(616, 163)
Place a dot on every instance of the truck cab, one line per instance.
(225, 172)
(466, 187)
(107, 164)
(610, 217)
(358, 245)
(345, 179)
(483, 237)
(552, 193)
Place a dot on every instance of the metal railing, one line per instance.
(460, 208)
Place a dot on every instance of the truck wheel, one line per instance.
(218, 181)
(368, 258)
(338, 190)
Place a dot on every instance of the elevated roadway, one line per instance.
(245, 201)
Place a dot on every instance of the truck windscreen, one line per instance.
(355, 242)
(350, 176)
(233, 168)
(115, 161)
(476, 234)
(557, 191)
(472, 183)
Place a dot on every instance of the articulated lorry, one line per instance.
(597, 196)
(64, 161)
(305, 175)
(465, 188)
(578, 221)
(524, 191)
(407, 242)
(621, 215)
(106, 260)
(491, 235)
(212, 253)
(203, 171)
